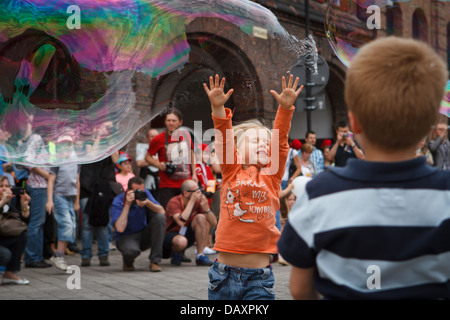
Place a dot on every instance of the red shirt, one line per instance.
(158, 146)
(204, 173)
(176, 206)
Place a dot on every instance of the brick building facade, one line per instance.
(219, 47)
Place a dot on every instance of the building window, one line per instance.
(394, 24)
(448, 46)
(419, 25)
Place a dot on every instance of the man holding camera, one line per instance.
(188, 219)
(176, 161)
(344, 148)
(139, 224)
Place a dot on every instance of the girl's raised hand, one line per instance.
(289, 93)
(216, 93)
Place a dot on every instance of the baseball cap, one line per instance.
(64, 138)
(124, 157)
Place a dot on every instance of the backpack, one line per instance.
(97, 206)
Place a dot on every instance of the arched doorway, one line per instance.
(419, 25)
(210, 55)
(448, 46)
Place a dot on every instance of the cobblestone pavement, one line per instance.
(185, 282)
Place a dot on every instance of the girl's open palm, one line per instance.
(216, 93)
(289, 93)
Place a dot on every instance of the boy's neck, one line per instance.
(376, 154)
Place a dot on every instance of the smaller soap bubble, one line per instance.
(349, 24)
(445, 105)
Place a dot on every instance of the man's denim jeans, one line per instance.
(87, 235)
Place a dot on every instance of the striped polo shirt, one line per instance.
(374, 231)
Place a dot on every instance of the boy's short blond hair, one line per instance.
(394, 87)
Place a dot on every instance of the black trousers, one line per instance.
(11, 251)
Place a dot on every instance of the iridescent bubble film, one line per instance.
(349, 24)
(445, 105)
(78, 77)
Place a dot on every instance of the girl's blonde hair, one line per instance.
(241, 128)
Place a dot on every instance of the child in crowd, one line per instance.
(125, 170)
(287, 199)
(63, 200)
(252, 168)
(378, 229)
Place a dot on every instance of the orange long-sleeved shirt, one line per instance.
(249, 197)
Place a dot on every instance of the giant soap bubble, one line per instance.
(72, 72)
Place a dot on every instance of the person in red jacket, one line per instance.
(176, 161)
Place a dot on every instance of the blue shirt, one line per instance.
(137, 217)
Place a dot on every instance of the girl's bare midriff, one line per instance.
(255, 260)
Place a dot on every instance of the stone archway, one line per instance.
(209, 55)
(335, 90)
(419, 25)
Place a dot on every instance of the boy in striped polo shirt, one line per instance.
(378, 229)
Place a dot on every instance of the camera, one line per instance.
(170, 168)
(17, 191)
(348, 134)
(207, 194)
(140, 195)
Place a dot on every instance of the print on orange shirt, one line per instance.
(247, 211)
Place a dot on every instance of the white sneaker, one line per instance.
(59, 262)
(13, 281)
(207, 251)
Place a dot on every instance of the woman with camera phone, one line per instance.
(12, 246)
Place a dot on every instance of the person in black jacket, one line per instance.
(96, 196)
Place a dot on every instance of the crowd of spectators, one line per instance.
(176, 211)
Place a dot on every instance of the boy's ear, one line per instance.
(354, 124)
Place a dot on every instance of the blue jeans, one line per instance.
(64, 215)
(87, 236)
(35, 243)
(229, 283)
